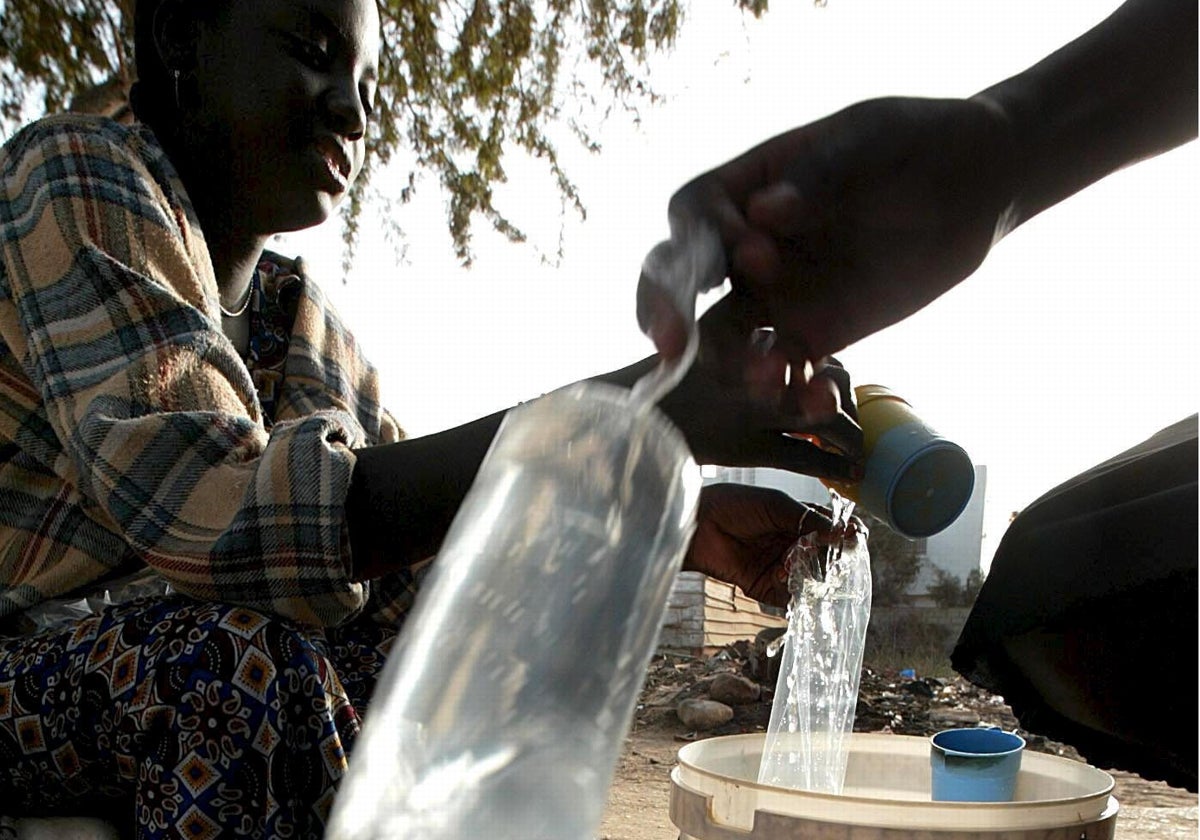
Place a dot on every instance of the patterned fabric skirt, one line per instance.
(176, 718)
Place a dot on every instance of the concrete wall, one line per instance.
(949, 619)
(730, 616)
(683, 626)
(704, 615)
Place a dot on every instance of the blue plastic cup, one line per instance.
(975, 765)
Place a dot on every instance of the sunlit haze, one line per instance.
(1075, 340)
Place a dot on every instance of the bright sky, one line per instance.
(1075, 340)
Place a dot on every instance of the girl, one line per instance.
(179, 405)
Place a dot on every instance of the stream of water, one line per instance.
(813, 710)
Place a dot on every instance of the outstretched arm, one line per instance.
(403, 496)
(841, 227)
(1120, 93)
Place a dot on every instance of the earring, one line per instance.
(175, 74)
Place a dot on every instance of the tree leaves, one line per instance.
(462, 84)
(895, 562)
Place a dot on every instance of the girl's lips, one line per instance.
(335, 162)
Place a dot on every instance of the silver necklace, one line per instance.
(245, 301)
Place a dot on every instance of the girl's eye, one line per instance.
(311, 53)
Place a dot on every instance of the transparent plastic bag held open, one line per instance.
(502, 710)
(815, 697)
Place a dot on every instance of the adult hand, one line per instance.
(738, 407)
(844, 226)
(744, 534)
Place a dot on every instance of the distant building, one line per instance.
(957, 550)
(704, 615)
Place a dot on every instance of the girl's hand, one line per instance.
(744, 534)
(740, 406)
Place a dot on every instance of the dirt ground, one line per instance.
(637, 807)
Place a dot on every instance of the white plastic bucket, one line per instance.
(715, 796)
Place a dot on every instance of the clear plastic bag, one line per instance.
(504, 706)
(819, 674)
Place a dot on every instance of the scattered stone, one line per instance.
(702, 715)
(886, 703)
(761, 667)
(953, 717)
(733, 690)
(663, 695)
(740, 650)
(921, 688)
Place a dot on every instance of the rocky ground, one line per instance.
(685, 699)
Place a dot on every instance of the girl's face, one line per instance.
(284, 91)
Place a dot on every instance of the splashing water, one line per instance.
(813, 711)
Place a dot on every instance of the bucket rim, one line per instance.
(867, 810)
(1109, 783)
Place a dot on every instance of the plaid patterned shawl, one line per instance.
(130, 431)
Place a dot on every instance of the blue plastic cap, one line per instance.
(917, 481)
